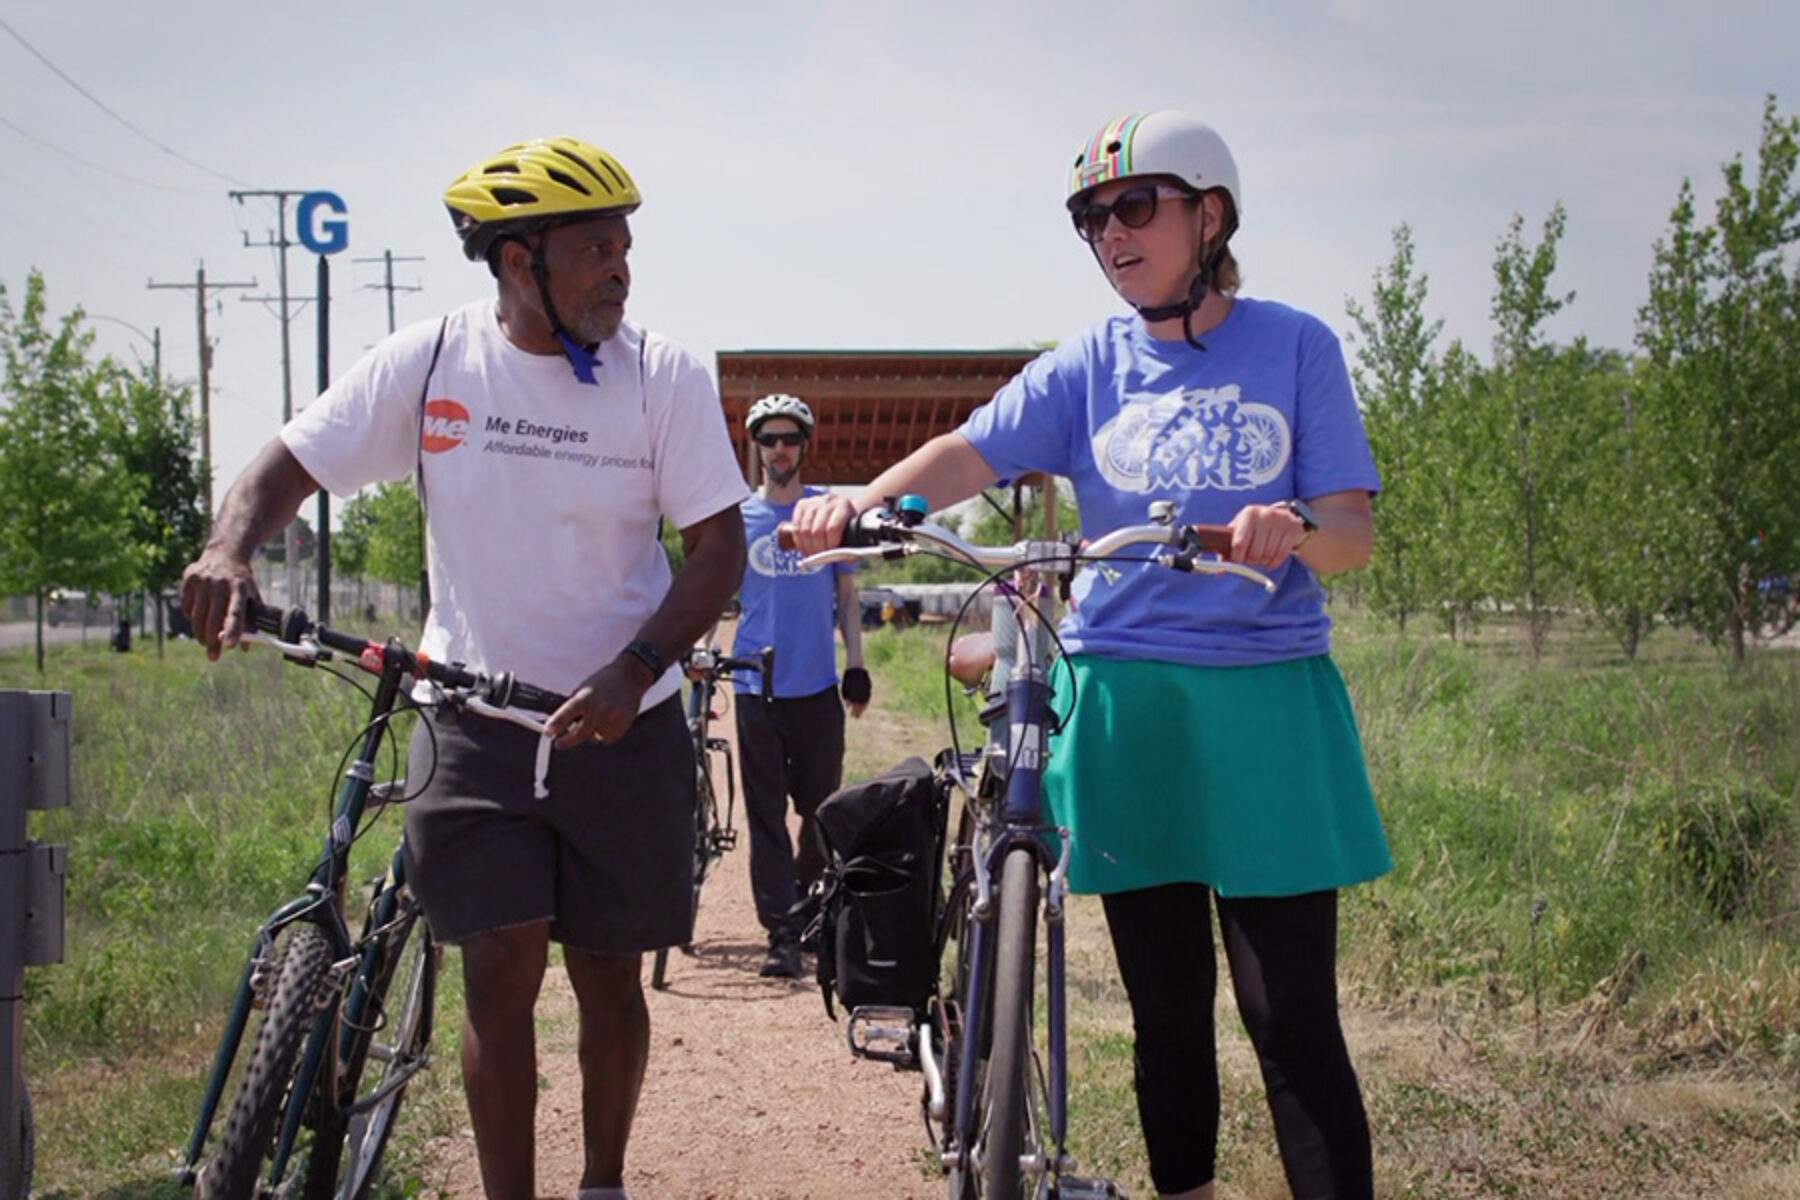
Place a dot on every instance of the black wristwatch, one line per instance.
(1309, 520)
(650, 656)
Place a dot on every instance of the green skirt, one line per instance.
(1249, 779)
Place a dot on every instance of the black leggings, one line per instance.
(1283, 956)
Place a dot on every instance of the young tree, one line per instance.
(1721, 394)
(151, 424)
(1393, 361)
(65, 497)
(1528, 408)
(1615, 505)
(378, 535)
(1454, 553)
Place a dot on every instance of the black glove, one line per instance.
(856, 688)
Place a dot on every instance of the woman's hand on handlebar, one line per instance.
(818, 522)
(1264, 535)
(603, 707)
(217, 594)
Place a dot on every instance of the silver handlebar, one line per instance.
(1047, 557)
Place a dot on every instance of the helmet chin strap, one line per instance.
(582, 357)
(1185, 309)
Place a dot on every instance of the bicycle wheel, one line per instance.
(401, 1048)
(249, 1135)
(1009, 1070)
(706, 852)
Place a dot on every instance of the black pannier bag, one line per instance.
(877, 903)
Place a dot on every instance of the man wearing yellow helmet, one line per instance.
(544, 493)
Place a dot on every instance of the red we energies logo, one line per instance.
(446, 425)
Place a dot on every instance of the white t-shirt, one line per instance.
(543, 494)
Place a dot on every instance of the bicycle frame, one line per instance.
(321, 905)
(714, 836)
(333, 1047)
(1019, 824)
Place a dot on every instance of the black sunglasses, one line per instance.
(1135, 207)
(780, 439)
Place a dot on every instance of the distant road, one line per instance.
(21, 633)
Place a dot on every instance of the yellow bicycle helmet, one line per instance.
(531, 184)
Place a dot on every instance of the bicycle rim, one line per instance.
(1008, 1100)
(401, 1047)
(264, 1092)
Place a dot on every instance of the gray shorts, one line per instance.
(607, 858)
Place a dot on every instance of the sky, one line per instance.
(847, 175)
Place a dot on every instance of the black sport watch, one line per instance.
(650, 656)
(1309, 520)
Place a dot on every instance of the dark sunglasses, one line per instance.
(1135, 207)
(780, 439)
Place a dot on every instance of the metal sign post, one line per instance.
(34, 774)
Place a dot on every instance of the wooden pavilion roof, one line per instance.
(872, 407)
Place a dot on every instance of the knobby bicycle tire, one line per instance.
(396, 1033)
(1009, 1072)
(706, 821)
(414, 986)
(250, 1127)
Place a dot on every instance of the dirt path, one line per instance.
(751, 1093)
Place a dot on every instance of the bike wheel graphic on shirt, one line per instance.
(768, 558)
(1203, 438)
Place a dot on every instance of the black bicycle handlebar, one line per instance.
(722, 665)
(503, 690)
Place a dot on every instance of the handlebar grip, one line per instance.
(857, 534)
(263, 618)
(525, 695)
(768, 673)
(1214, 539)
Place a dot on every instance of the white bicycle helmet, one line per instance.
(1157, 143)
(780, 405)
(1163, 144)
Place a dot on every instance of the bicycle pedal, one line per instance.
(1075, 1187)
(724, 839)
(883, 1033)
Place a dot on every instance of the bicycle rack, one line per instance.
(34, 774)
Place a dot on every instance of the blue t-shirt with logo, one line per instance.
(1265, 413)
(785, 606)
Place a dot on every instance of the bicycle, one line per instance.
(301, 1123)
(713, 835)
(996, 1092)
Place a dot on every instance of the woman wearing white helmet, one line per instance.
(1240, 412)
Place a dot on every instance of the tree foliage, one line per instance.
(66, 495)
(378, 535)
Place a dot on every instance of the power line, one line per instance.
(97, 103)
(73, 157)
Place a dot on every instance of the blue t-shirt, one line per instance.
(791, 609)
(1265, 413)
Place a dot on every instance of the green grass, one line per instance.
(1595, 890)
(200, 796)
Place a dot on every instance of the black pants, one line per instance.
(1283, 957)
(787, 747)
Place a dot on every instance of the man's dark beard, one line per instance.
(780, 478)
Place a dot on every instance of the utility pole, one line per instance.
(200, 286)
(291, 544)
(388, 285)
